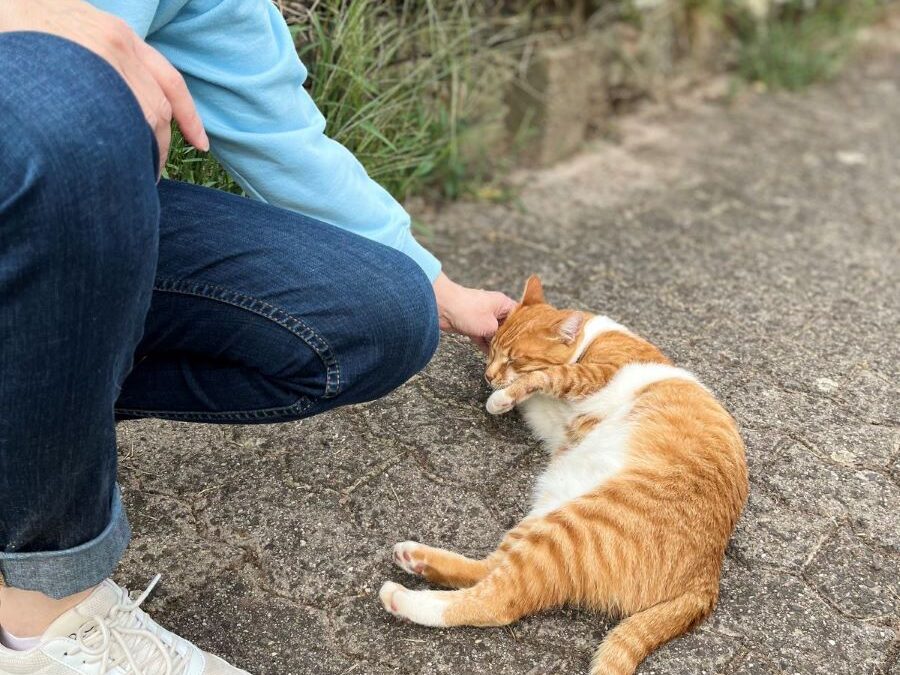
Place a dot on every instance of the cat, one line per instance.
(646, 481)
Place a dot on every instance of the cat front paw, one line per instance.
(500, 402)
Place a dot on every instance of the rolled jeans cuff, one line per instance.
(63, 573)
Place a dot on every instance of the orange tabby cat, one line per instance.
(646, 481)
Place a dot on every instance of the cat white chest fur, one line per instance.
(603, 452)
(547, 417)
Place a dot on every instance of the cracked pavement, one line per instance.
(758, 245)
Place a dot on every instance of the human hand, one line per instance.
(469, 311)
(158, 87)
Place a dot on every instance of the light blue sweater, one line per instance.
(239, 61)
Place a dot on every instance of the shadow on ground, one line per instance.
(758, 246)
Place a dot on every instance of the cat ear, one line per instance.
(570, 327)
(534, 292)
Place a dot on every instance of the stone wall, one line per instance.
(567, 82)
(570, 88)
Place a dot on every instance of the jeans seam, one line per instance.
(306, 333)
(297, 408)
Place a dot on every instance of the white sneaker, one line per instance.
(109, 634)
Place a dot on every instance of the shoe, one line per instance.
(108, 633)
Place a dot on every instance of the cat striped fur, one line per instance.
(644, 486)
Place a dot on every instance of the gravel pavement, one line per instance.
(758, 245)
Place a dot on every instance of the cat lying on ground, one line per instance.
(646, 481)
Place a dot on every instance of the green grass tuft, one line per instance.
(388, 77)
(800, 44)
(187, 164)
(396, 84)
(410, 86)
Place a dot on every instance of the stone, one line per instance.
(549, 106)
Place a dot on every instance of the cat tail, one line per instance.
(635, 637)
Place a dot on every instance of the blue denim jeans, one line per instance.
(123, 298)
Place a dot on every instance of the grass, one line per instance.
(801, 43)
(389, 80)
(397, 84)
(405, 85)
(187, 164)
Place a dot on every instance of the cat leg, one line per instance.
(496, 600)
(567, 381)
(425, 608)
(515, 585)
(438, 566)
(445, 568)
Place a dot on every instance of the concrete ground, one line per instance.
(758, 245)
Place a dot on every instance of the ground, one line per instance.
(758, 245)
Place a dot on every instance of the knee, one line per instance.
(81, 136)
(412, 327)
(80, 172)
(405, 329)
(420, 329)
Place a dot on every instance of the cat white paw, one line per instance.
(500, 402)
(423, 607)
(405, 557)
(391, 594)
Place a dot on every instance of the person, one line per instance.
(125, 297)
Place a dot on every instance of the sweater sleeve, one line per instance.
(241, 67)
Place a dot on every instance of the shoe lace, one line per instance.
(123, 637)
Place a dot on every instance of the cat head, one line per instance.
(533, 337)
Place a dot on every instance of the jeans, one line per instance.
(121, 298)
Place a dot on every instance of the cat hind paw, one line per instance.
(426, 608)
(389, 595)
(407, 556)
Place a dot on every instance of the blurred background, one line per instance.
(439, 97)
